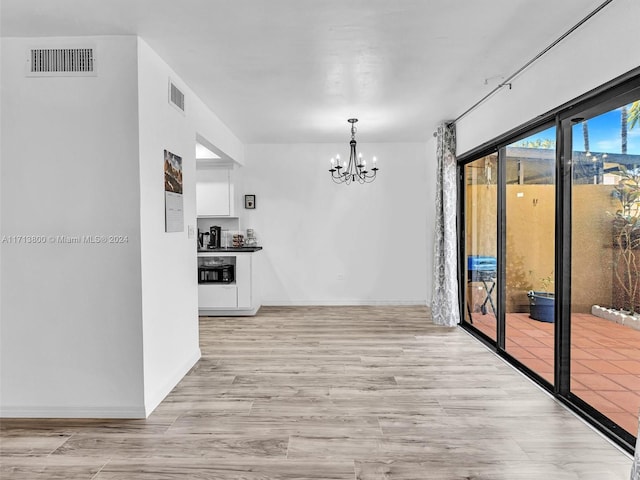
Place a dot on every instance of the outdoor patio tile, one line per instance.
(580, 354)
(599, 402)
(547, 341)
(515, 334)
(576, 386)
(629, 335)
(597, 382)
(587, 344)
(527, 341)
(537, 333)
(578, 367)
(605, 367)
(605, 340)
(627, 380)
(628, 401)
(620, 335)
(520, 352)
(630, 366)
(602, 366)
(604, 353)
(540, 367)
(626, 421)
(545, 354)
(631, 353)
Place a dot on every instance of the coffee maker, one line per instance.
(201, 236)
(215, 237)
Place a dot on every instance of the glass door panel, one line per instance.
(605, 264)
(481, 234)
(530, 206)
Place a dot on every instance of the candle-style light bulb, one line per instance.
(375, 160)
(332, 161)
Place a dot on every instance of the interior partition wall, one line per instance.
(549, 219)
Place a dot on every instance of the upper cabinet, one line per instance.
(214, 191)
(215, 172)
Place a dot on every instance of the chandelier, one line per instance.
(356, 170)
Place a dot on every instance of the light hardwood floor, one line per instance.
(328, 393)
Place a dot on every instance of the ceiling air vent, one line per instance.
(48, 62)
(176, 97)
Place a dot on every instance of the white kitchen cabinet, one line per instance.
(244, 273)
(214, 191)
(217, 296)
(239, 297)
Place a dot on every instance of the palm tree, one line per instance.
(585, 134)
(538, 143)
(623, 129)
(633, 116)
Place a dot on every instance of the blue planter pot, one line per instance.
(541, 306)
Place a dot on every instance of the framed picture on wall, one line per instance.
(250, 201)
(173, 202)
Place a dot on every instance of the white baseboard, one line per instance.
(219, 312)
(134, 411)
(343, 303)
(152, 401)
(44, 411)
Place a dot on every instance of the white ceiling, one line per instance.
(287, 71)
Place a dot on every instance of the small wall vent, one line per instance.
(48, 62)
(176, 97)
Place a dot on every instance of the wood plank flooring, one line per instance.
(327, 393)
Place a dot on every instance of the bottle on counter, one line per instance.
(251, 240)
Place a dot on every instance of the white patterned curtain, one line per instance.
(444, 303)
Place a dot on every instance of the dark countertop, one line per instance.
(230, 249)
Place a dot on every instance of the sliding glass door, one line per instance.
(551, 253)
(529, 239)
(480, 277)
(605, 262)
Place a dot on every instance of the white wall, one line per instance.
(602, 49)
(169, 260)
(96, 330)
(71, 325)
(377, 237)
(169, 286)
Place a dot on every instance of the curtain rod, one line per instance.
(507, 82)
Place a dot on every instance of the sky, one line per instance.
(604, 135)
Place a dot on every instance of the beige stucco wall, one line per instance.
(530, 214)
